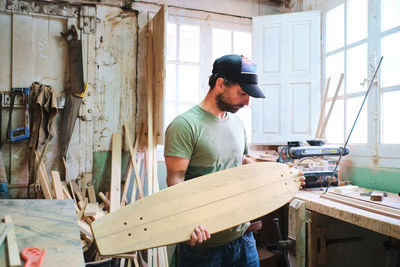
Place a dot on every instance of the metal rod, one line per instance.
(276, 220)
(354, 124)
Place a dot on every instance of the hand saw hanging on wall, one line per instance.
(76, 87)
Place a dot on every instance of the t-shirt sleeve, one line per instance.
(178, 139)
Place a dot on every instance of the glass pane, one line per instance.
(188, 83)
(390, 69)
(335, 28)
(242, 44)
(170, 113)
(171, 41)
(356, 69)
(390, 10)
(360, 132)
(245, 115)
(390, 118)
(189, 43)
(334, 68)
(170, 94)
(221, 43)
(335, 129)
(357, 20)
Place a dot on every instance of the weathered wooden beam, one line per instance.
(297, 231)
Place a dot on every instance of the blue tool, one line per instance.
(20, 133)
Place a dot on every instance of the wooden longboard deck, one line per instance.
(217, 201)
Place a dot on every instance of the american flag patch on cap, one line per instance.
(248, 66)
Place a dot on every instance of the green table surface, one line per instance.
(46, 224)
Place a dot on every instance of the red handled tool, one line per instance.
(33, 256)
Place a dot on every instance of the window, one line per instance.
(192, 47)
(183, 69)
(234, 42)
(356, 34)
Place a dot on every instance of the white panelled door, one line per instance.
(287, 50)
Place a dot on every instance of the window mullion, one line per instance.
(373, 56)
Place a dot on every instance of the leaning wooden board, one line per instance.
(217, 201)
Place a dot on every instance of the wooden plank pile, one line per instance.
(143, 155)
(142, 166)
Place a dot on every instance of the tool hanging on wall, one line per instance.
(76, 87)
(44, 108)
(19, 133)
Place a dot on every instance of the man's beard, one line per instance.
(224, 105)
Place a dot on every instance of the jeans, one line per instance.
(240, 252)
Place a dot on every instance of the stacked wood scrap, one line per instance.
(88, 209)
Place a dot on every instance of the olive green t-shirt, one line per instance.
(212, 144)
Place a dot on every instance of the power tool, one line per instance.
(316, 160)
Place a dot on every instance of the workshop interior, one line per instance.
(88, 88)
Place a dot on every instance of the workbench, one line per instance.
(46, 224)
(376, 222)
(308, 209)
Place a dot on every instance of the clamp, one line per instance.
(20, 133)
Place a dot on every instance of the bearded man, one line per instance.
(210, 138)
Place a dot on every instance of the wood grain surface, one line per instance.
(217, 201)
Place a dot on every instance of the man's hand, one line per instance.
(301, 174)
(199, 235)
(302, 179)
(246, 159)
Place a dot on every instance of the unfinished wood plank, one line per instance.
(57, 186)
(92, 194)
(85, 230)
(4, 228)
(91, 209)
(66, 193)
(104, 199)
(323, 127)
(80, 214)
(218, 201)
(372, 207)
(159, 58)
(76, 191)
(125, 188)
(115, 185)
(133, 151)
(12, 245)
(43, 179)
(322, 110)
(149, 99)
(69, 179)
(376, 196)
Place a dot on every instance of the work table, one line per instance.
(370, 220)
(46, 224)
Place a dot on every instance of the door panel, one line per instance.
(287, 52)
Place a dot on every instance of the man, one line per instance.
(209, 138)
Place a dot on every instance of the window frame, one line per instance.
(205, 61)
(374, 153)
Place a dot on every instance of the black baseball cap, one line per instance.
(239, 69)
